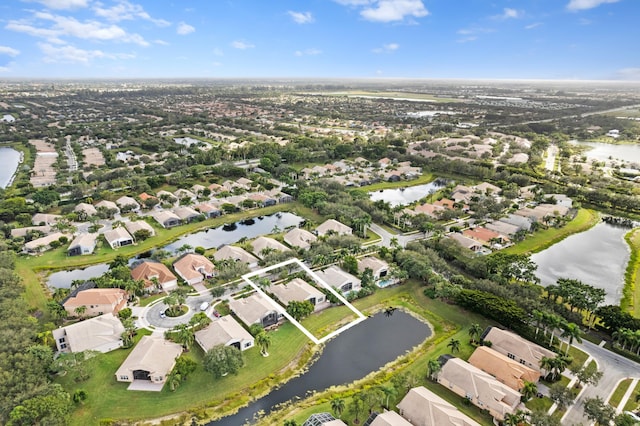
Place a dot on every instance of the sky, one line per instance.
(436, 39)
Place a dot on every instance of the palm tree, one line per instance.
(560, 363)
(514, 419)
(174, 381)
(433, 368)
(572, 331)
(60, 293)
(337, 406)
(474, 332)
(529, 390)
(290, 423)
(184, 335)
(454, 344)
(388, 392)
(45, 338)
(546, 364)
(553, 321)
(80, 310)
(538, 317)
(263, 340)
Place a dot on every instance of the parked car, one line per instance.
(204, 306)
(216, 314)
(162, 314)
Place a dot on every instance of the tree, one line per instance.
(184, 367)
(514, 419)
(222, 360)
(184, 335)
(598, 411)
(79, 396)
(80, 310)
(561, 395)
(541, 418)
(290, 423)
(50, 406)
(263, 340)
(433, 368)
(174, 380)
(529, 390)
(388, 392)
(337, 406)
(299, 310)
(454, 344)
(589, 375)
(355, 407)
(546, 363)
(572, 331)
(474, 332)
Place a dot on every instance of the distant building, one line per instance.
(237, 254)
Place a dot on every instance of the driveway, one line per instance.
(152, 317)
(387, 236)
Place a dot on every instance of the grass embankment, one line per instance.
(29, 267)
(617, 395)
(630, 301)
(541, 240)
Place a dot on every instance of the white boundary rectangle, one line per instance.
(360, 316)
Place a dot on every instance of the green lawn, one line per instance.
(631, 404)
(579, 357)
(631, 292)
(539, 404)
(617, 395)
(541, 240)
(423, 179)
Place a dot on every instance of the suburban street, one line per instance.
(387, 236)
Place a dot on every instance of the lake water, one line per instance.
(63, 279)
(9, 161)
(602, 151)
(350, 356)
(229, 234)
(597, 257)
(404, 196)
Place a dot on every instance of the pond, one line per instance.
(408, 195)
(9, 161)
(602, 151)
(350, 356)
(597, 257)
(214, 237)
(232, 233)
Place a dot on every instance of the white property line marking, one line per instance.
(276, 305)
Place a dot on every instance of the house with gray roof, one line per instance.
(339, 279)
(298, 290)
(82, 244)
(102, 333)
(224, 331)
(255, 309)
(118, 237)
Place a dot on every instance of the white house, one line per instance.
(118, 237)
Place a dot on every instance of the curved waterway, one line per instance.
(350, 356)
(598, 257)
(9, 161)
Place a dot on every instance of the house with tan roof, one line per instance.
(166, 195)
(466, 242)
(255, 309)
(102, 333)
(22, 232)
(82, 244)
(97, 301)
(107, 205)
(139, 225)
(194, 268)
(300, 238)
(184, 193)
(128, 204)
(263, 245)
(339, 279)
(208, 210)
(187, 214)
(298, 290)
(166, 219)
(224, 331)
(379, 267)
(151, 360)
(44, 243)
(332, 226)
(424, 408)
(387, 418)
(430, 210)
(236, 253)
(480, 388)
(486, 188)
(45, 219)
(485, 236)
(502, 228)
(150, 272)
(86, 209)
(506, 370)
(517, 348)
(118, 237)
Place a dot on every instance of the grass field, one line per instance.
(631, 404)
(617, 395)
(631, 293)
(541, 240)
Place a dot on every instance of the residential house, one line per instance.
(466, 242)
(462, 194)
(263, 200)
(339, 279)
(184, 193)
(521, 222)
(298, 290)
(386, 418)
(244, 183)
(82, 244)
(102, 333)
(323, 419)
(139, 225)
(264, 245)
(500, 227)
(216, 188)
(237, 254)
(42, 244)
(506, 370)
(208, 210)
(255, 309)
(430, 210)
(108, 206)
(224, 331)
(187, 214)
(118, 237)
(128, 204)
(488, 189)
(166, 219)
(194, 268)
(40, 219)
(151, 272)
(485, 236)
(87, 210)
(379, 267)
(517, 348)
(424, 408)
(332, 226)
(300, 238)
(22, 232)
(152, 360)
(198, 189)
(445, 203)
(96, 301)
(480, 388)
(143, 197)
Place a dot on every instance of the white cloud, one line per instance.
(587, 4)
(353, 2)
(387, 48)
(68, 26)
(10, 51)
(4, 69)
(301, 17)
(308, 52)
(394, 10)
(467, 39)
(72, 54)
(161, 42)
(125, 11)
(242, 45)
(632, 74)
(218, 52)
(532, 26)
(184, 28)
(63, 4)
(509, 13)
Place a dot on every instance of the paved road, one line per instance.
(388, 236)
(550, 163)
(151, 314)
(615, 368)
